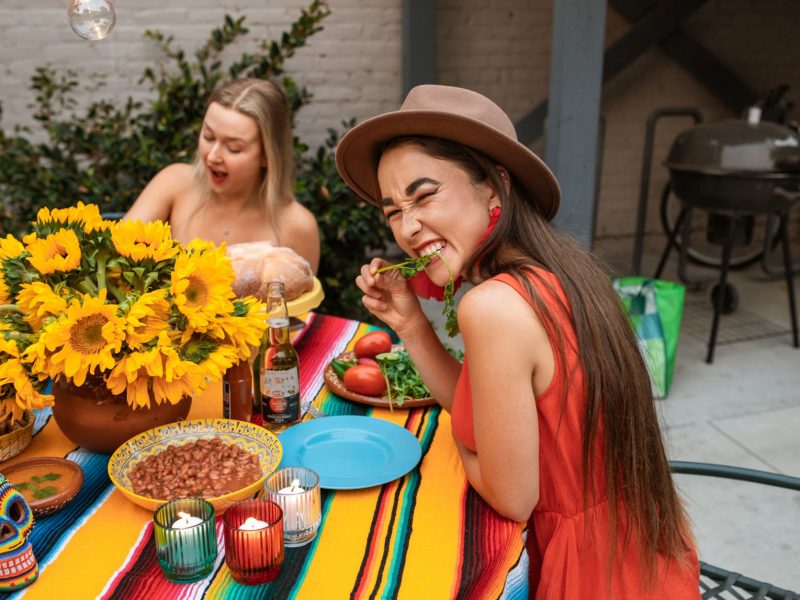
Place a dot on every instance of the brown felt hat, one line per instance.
(454, 114)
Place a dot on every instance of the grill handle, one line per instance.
(647, 161)
(790, 195)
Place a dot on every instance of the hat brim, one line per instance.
(355, 154)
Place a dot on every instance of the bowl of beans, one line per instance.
(221, 460)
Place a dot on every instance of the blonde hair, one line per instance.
(266, 103)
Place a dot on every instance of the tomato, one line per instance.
(373, 344)
(365, 379)
(366, 360)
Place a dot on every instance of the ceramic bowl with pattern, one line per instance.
(247, 436)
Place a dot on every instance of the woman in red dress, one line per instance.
(552, 410)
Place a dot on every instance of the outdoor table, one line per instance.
(425, 535)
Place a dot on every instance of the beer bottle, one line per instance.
(280, 376)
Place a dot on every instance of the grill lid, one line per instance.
(736, 147)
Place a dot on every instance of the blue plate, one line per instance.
(351, 452)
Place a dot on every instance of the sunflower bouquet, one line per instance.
(82, 297)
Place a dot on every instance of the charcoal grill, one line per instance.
(735, 170)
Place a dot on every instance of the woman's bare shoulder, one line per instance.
(176, 175)
(494, 306)
(163, 193)
(300, 231)
(298, 219)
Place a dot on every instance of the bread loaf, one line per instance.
(255, 264)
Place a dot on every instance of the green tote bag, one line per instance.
(655, 309)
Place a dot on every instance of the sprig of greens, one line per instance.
(411, 266)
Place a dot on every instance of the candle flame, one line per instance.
(184, 515)
(295, 484)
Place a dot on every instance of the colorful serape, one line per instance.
(427, 535)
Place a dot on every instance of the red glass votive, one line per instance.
(254, 556)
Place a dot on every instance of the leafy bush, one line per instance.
(108, 153)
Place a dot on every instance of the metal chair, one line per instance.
(716, 582)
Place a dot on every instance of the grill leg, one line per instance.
(727, 250)
(673, 235)
(787, 266)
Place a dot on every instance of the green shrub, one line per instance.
(106, 154)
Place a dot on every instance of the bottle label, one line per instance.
(278, 322)
(280, 398)
(226, 400)
(281, 384)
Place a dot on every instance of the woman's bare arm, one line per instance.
(505, 343)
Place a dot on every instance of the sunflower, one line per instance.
(244, 328)
(219, 361)
(87, 216)
(181, 377)
(19, 390)
(137, 241)
(146, 317)
(133, 373)
(201, 285)
(10, 247)
(56, 253)
(39, 301)
(213, 357)
(85, 339)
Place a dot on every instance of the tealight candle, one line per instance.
(186, 520)
(186, 541)
(252, 524)
(253, 531)
(296, 490)
(293, 517)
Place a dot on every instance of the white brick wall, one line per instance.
(354, 66)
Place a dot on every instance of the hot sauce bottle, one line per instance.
(280, 375)
(237, 392)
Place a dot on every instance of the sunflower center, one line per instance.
(86, 335)
(197, 291)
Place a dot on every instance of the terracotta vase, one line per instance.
(94, 418)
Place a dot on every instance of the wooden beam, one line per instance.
(652, 29)
(698, 60)
(419, 43)
(709, 70)
(657, 25)
(573, 118)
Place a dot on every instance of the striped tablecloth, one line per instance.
(425, 536)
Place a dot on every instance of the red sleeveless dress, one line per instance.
(568, 546)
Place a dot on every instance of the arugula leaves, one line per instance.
(403, 379)
(411, 266)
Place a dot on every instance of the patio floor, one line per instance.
(742, 410)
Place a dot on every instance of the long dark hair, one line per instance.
(634, 461)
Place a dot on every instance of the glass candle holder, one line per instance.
(253, 531)
(186, 541)
(296, 490)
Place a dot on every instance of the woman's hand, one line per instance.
(388, 296)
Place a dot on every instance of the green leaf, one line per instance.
(46, 492)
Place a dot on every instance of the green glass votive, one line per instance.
(186, 540)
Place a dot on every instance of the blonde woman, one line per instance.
(239, 188)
